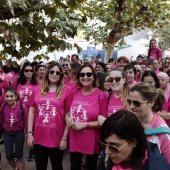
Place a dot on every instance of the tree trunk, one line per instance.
(109, 52)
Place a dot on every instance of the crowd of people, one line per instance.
(99, 113)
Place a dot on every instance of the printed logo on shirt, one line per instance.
(47, 112)
(78, 114)
(114, 109)
(25, 94)
(11, 119)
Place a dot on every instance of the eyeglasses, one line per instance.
(28, 71)
(112, 148)
(135, 102)
(117, 79)
(58, 73)
(88, 74)
(63, 65)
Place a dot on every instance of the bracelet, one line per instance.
(30, 132)
(87, 124)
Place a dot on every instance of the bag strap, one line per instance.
(157, 131)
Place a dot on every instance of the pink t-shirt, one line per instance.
(49, 117)
(155, 53)
(87, 108)
(12, 119)
(70, 84)
(25, 91)
(114, 105)
(163, 140)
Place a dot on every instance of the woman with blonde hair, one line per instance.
(50, 102)
(138, 73)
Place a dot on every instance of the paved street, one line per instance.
(29, 165)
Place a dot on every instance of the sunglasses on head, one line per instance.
(58, 73)
(135, 102)
(113, 148)
(28, 71)
(88, 74)
(117, 79)
(63, 65)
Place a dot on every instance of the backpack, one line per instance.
(157, 131)
(21, 108)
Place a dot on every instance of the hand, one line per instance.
(30, 141)
(69, 121)
(63, 145)
(78, 125)
(101, 119)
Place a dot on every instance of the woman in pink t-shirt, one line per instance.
(71, 81)
(154, 52)
(88, 103)
(130, 72)
(40, 70)
(165, 86)
(144, 100)
(47, 130)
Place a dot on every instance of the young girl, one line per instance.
(13, 117)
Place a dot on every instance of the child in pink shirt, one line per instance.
(14, 116)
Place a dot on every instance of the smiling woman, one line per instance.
(124, 142)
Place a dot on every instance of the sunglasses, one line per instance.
(111, 79)
(137, 70)
(112, 148)
(135, 102)
(63, 65)
(167, 62)
(88, 74)
(58, 73)
(28, 71)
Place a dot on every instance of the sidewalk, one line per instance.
(29, 165)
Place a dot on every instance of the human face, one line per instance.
(66, 66)
(125, 149)
(54, 78)
(155, 65)
(99, 68)
(153, 44)
(86, 80)
(28, 72)
(41, 72)
(139, 60)
(117, 86)
(109, 68)
(73, 59)
(130, 76)
(162, 83)
(10, 98)
(121, 64)
(143, 67)
(166, 63)
(107, 84)
(149, 79)
(143, 110)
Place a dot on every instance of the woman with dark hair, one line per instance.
(125, 143)
(40, 70)
(47, 130)
(100, 66)
(144, 101)
(71, 81)
(154, 52)
(150, 77)
(88, 103)
(104, 84)
(130, 72)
